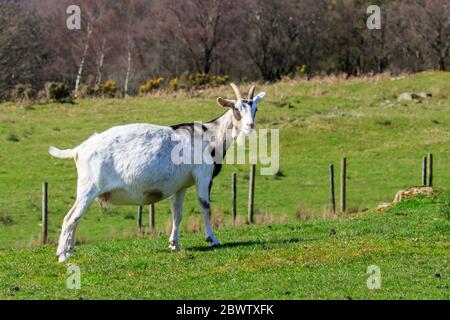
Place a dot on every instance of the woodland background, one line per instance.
(133, 41)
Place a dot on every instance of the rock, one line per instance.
(412, 192)
(405, 97)
(397, 78)
(425, 95)
(405, 194)
(383, 207)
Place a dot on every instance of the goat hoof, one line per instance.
(173, 246)
(62, 258)
(212, 242)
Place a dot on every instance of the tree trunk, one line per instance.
(127, 77)
(83, 59)
(98, 79)
(442, 64)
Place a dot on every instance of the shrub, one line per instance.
(201, 81)
(84, 91)
(197, 80)
(220, 80)
(301, 69)
(151, 85)
(13, 137)
(108, 89)
(58, 92)
(23, 93)
(129, 216)
(174, 84)
(6, 220)
(42, 96)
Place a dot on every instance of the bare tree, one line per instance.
(93, 14)
(431, 21)
(131, 41)
(101, 61)
(23, 53)
(201, 26)
(83, 57)
(273, 43)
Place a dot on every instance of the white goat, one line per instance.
(133, 165)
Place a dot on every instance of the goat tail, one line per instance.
(63, 154)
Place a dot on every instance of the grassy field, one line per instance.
(315, 259)
(319, 122)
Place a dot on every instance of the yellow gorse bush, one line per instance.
(191, 81)
(202, 80)
(220, 80)
(151, 85)
(107, 89)
(301, 69)
(174, 84)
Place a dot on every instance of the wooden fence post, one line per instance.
(151, 217)
(139, 220)
(424, 171)
(44, 230)
(233, 196)
(251, 194)
(343, 201)
(332, 198)
(430, 169)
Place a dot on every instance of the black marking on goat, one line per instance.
(209, 188)
(220, 156)
(217, 169)
(217, 165)
(204, 203)
(188, 126)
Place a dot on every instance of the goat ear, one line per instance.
(225, 103)
(259, 97)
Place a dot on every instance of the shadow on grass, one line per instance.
(265, 244)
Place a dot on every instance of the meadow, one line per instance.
(314, 259)
(320, 121)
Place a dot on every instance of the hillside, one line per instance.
(320, 121)
(324, 259)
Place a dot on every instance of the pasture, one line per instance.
(319, 122)
(293, 253)
(315, 259)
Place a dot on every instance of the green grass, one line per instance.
(319, 123)
(317, 259)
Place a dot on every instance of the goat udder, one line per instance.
(153, 196)
(104, 197)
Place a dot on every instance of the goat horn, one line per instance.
(251, 93)
(236, 91)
